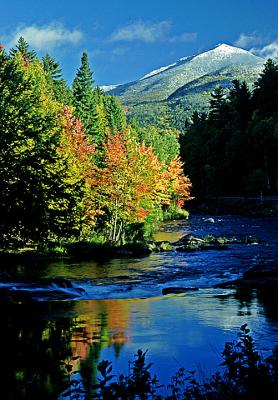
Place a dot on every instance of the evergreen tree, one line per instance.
(23, 48)
(85, 100)
(52, 67)
(54, 75)
(115, 116)
(240, 103)
(218, 106)
(266, 90)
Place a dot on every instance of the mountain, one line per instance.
(188, 82)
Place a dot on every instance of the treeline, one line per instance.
(234, 148)
(71, 168)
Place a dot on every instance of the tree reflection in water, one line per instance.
(40, 341)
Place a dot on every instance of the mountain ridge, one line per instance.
(187, 81)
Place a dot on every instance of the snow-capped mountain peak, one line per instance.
(223, 50)
(163, 82)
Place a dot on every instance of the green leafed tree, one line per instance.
(38, 201)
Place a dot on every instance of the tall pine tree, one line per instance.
(84, 100)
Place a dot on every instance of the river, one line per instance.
(94, 310)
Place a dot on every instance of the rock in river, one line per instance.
(177, 290)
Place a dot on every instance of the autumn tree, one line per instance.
(76, 160)
(123, 185)
(38, 200)
(179, 185)
(133, 183)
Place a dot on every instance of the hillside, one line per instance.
(187, 83)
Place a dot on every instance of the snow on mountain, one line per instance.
(162, 82)
(107, 88)
(159, 70)
(223, 50)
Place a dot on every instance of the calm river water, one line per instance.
(52, 312)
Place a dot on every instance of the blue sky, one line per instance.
(126, 39)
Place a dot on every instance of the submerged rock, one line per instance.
(177, 290)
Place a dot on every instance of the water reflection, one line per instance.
(32, 349)
(40, 339)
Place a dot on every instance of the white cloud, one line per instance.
(46, 37)
(258, 45)
(268, 51)
(248, 40)
(142, 31)
(185, 37)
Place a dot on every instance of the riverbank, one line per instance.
(198, 252)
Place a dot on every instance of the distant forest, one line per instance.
(233, 150)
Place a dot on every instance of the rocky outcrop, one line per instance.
(191, 243)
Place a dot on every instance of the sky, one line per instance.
(126, 39)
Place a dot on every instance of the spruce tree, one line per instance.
(115, 115)
(218, 106)
(51, 67)
(85, 101)
(62, 92)
(23, 48)
(265, 94)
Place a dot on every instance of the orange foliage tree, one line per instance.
(133, 183)
(179, 185)
(77, 162)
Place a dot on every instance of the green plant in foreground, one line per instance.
(245, 375)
